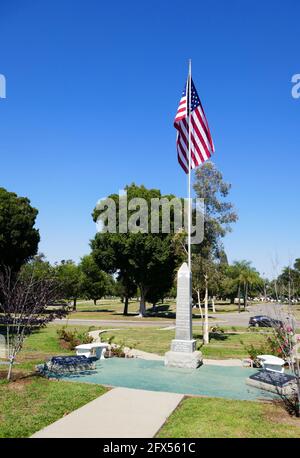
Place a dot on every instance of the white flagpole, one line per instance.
(189, 174)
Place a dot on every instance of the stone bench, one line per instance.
(271, 363)
(91, 350)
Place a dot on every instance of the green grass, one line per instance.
(41, 345)
(44, 344)
(221, 418)
(28, 405)
(157, 341)
(112, 309)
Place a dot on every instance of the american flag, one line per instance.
(202, 145)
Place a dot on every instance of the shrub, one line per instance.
(69, 338)
(216, 330)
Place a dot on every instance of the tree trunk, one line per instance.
(199, 304)
(125, 312)
(74, 304)
(200, 308)
(206, 330)
(95, 301)
(239, 296)
(213, 304)
(11, 363)
(142, 311)
(245, 295)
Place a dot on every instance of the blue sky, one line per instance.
(92, 90)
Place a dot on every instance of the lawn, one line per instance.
(41, 345)
(31, 403)
(221, 418)
(112, 309)
(222, 346)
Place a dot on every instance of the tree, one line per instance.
(289, 282)
(94, 282)
(219, 213)
(70, 278)
(297, 264)
(142, 257)
(28, 303)
(240, 279)
(39, 267)
(18, 238)
(125, 288)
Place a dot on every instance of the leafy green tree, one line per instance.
(297, 264)
(125, 288)
(288, 282)
(203, 273)
(18, 237)
(241, 279)
(219, 213)
(38, 267)
(94, 282)
(144, 258)
(218, 217)
(70, 278)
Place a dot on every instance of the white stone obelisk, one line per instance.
(183, 348)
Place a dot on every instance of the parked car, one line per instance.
(264, 321)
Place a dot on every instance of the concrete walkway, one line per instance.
(121, 412)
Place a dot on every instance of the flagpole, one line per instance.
(189, 174)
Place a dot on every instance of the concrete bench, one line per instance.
(91, 350)
(271, 363)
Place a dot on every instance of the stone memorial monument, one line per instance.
(183, 348)
(276, 382)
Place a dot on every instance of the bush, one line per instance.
(116, 350)
(216, 330)
(69, 339)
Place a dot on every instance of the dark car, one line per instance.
(264, 321)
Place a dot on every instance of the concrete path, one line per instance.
(121, 412)
(223, 362)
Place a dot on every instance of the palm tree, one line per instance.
(245, 276)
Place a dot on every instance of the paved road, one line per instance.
(242, 319)
(223, 319)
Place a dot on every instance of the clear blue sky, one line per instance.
(92, 89)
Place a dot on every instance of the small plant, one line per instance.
(69, 338)
(216, 330)
(116, 350)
